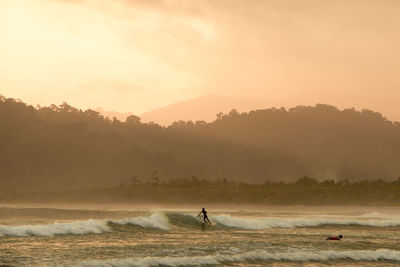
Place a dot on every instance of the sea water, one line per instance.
(242, 236)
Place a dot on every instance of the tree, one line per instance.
(132, 119)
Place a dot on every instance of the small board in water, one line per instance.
(206, 225)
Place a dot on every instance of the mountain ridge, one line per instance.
(202, 108)
(64, 147)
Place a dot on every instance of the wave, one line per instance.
(156, 220)
(379, 215)
(77, 228)
(186, 220)
(264, 223)
(295, 256)
(163, 222)
(369, 215)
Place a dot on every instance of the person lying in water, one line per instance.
(334, 237)
(204, 216)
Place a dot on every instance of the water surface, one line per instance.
(139, 236)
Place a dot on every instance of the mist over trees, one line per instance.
(61, 147)
(305, 191)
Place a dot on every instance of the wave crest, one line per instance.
(163, 222)
(269, 223)
(155, 220)
(77, 228)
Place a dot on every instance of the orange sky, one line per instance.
(129, 55)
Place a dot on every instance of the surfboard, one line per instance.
(209, 224)
(205, 226)
(212, 224)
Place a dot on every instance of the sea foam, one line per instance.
(259, 255)
(263, 223)
(77, 228)
(156, 220)
(160, 221)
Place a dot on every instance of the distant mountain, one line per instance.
(111, 114)
(64, 147)
(202, 108)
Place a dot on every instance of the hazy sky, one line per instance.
(129, 55)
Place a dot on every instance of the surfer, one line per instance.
(334, 237)
(204, 216)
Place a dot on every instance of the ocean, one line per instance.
(132, 235)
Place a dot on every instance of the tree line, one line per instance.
(61, 147)
(303, 191)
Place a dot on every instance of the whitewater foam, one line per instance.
(299, 256)
(369, 215)
(160, 221)
(77, 228)
(155, 220)
(263, 223)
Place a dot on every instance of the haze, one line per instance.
(136, 56)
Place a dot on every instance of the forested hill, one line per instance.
(62, 147)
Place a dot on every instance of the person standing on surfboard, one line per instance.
(205, 216)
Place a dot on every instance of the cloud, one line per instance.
(289, 51)
(91, 50)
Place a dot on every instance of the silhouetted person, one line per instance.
(204, 216)
(335, 237)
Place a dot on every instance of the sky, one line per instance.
(136, 56)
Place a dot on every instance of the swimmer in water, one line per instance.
(334, 237)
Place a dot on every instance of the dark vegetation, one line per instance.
(61, 147)
(306, 191)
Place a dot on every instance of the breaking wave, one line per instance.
(186, 220)
(77, 228)
(161, 221)
(156, 220)
(263, 223)
(299, 256)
